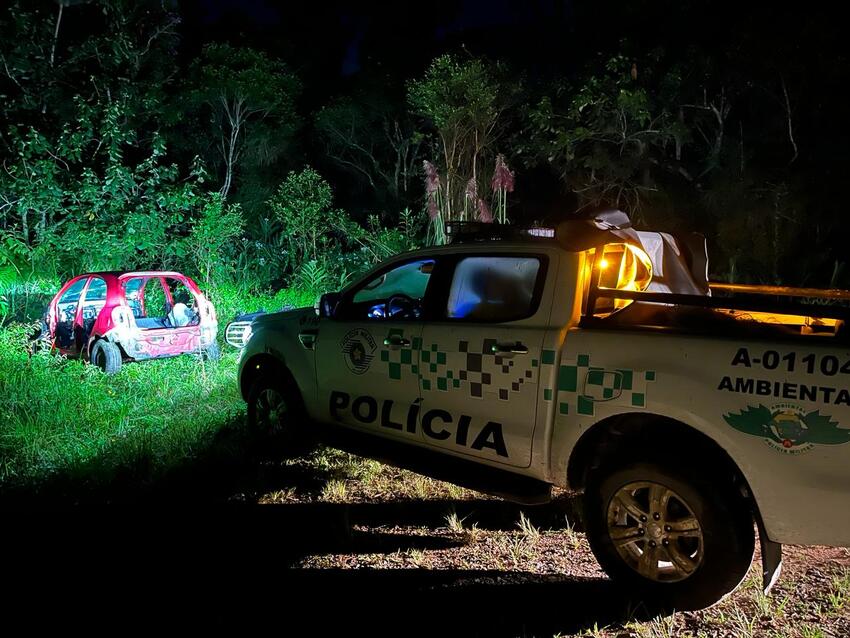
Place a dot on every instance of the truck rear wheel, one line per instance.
(674, 537)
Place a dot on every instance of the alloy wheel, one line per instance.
(655, 531)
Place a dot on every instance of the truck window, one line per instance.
(394, 294)
(146, 297)
(96, 290)
(72, 295)
(132, 291)
(493, 289)
(184, 312)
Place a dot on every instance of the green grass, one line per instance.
(230, 301)
(65, 419)
(61, 416)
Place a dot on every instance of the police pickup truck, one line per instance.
(593, 357)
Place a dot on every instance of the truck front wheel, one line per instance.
(674, 537)
(275, 411)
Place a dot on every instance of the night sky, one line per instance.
(337, 40)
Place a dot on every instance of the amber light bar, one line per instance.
(780, 291)
(804, 310)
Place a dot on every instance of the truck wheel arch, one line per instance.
(261, 364)
(620, 435)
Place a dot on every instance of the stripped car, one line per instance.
(108, 318)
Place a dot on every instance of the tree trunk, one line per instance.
(25, 229)
(790, 122)
(741, 129)
(53, 46)
(231, 155)
(56, 33)
(677, 137)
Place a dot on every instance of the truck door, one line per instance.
(480, 358)
(367, 354)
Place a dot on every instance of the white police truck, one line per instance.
(597, 358)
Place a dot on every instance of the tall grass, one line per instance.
(63, 418)
(231, 300)
(25, 299)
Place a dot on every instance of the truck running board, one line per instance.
(442, 467)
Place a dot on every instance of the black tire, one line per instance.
(709, 563)
(276, 412)
(106, 356)
(212, 352)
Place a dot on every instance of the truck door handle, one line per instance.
(509, 348)
(307, 339)
(396, 342)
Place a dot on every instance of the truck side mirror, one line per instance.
(328, 303)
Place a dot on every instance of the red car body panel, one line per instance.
(73, 326)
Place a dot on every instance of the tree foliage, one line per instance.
(378, 143)
(302, 205)
(247, 103)
(605, 135)
(88, 184)
(466, 104)
(212, 240)
(122, 145)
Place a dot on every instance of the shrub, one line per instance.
(211, 243)
(302, 206)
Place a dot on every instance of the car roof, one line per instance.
(124, 274)
(152, 273)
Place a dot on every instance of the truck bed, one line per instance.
(759, 312)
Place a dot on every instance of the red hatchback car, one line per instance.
(111, 317)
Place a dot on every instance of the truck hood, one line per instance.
(297, 314)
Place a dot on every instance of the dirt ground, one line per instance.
(332, 544)
(530, 566)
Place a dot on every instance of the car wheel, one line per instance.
(106, 356)
(212, 352)
(275, 411)
(673, 537)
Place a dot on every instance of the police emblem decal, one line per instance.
(358, 350)
(788, 428)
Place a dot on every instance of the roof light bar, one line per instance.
(459, 232)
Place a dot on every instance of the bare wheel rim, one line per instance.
(655, 531)
(271, 411)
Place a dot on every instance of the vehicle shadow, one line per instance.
(196, 533)
(241, 563)
(235, 468)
